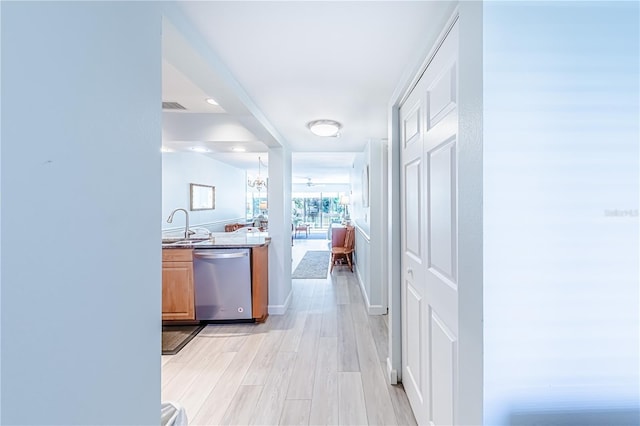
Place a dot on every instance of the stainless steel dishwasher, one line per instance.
(222, 284)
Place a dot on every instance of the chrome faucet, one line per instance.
(186, 228)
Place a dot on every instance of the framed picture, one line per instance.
(365, 186)
(202, 197)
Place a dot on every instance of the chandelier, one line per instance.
(257, 183)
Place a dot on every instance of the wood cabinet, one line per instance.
(260, 283)
(178, 301)
(178, 293)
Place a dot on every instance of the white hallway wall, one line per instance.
(80, 313)
(180, 169)
(561, 298)
(370, 221)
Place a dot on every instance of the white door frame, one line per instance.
(470, 361)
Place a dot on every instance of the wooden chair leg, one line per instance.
(333, 262)
(349, 262)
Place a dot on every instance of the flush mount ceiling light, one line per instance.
(238, 149)
(326, 128)
(211, 101)
(199, 149)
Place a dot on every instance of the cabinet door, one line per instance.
(260, 282)
(177, 291)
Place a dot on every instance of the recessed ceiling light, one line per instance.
(199, 149)
(326, 128)
(238, 149)
(211, 101)
(165, 149)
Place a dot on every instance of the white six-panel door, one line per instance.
(428, 135)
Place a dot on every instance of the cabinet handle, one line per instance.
(220, 256)
(410, 272)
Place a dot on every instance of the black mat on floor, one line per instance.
(175, 337)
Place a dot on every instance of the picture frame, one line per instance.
(365, 186)
(202, 197)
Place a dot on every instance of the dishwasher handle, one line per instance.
(201, 255)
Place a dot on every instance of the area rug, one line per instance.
(176, 337)
(314, 264)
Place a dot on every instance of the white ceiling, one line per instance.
(295, 62)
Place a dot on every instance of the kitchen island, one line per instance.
(178, 295)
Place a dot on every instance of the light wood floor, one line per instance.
(323, 362)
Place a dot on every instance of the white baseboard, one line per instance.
(371, 309)
(280, 309)
(392, 374)
(376, 310)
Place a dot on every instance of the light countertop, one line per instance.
(224, 240)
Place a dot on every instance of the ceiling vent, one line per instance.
(172, 105)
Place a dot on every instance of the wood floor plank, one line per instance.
(192, 351)
(400, 402)
(281, 322)
(401, 406)
(295, 412)
(236, 336)
(177, 387)
(269, 408)
(220, 398)
(324, 405)
(206, 344)
(302, 376)
(302, 296)
(378, 326)
(236, 371)
(347, 349)
(197, 392)
(291, 339)
(165, 359)
(376, 393)
(212, 410)
(329, 323)
(170, 371)
(355, 292)
(317, 298)
(330, 294)
(351, 408)
(264, 359)
(329, 312)
(242, 406)
(342, 290)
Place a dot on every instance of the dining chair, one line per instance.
(345, 250)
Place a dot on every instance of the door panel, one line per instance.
(412, 193)
(429, 167)
(441, 209)
(415, 352)
(441, 96)
(411, 126)
(443, 363)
